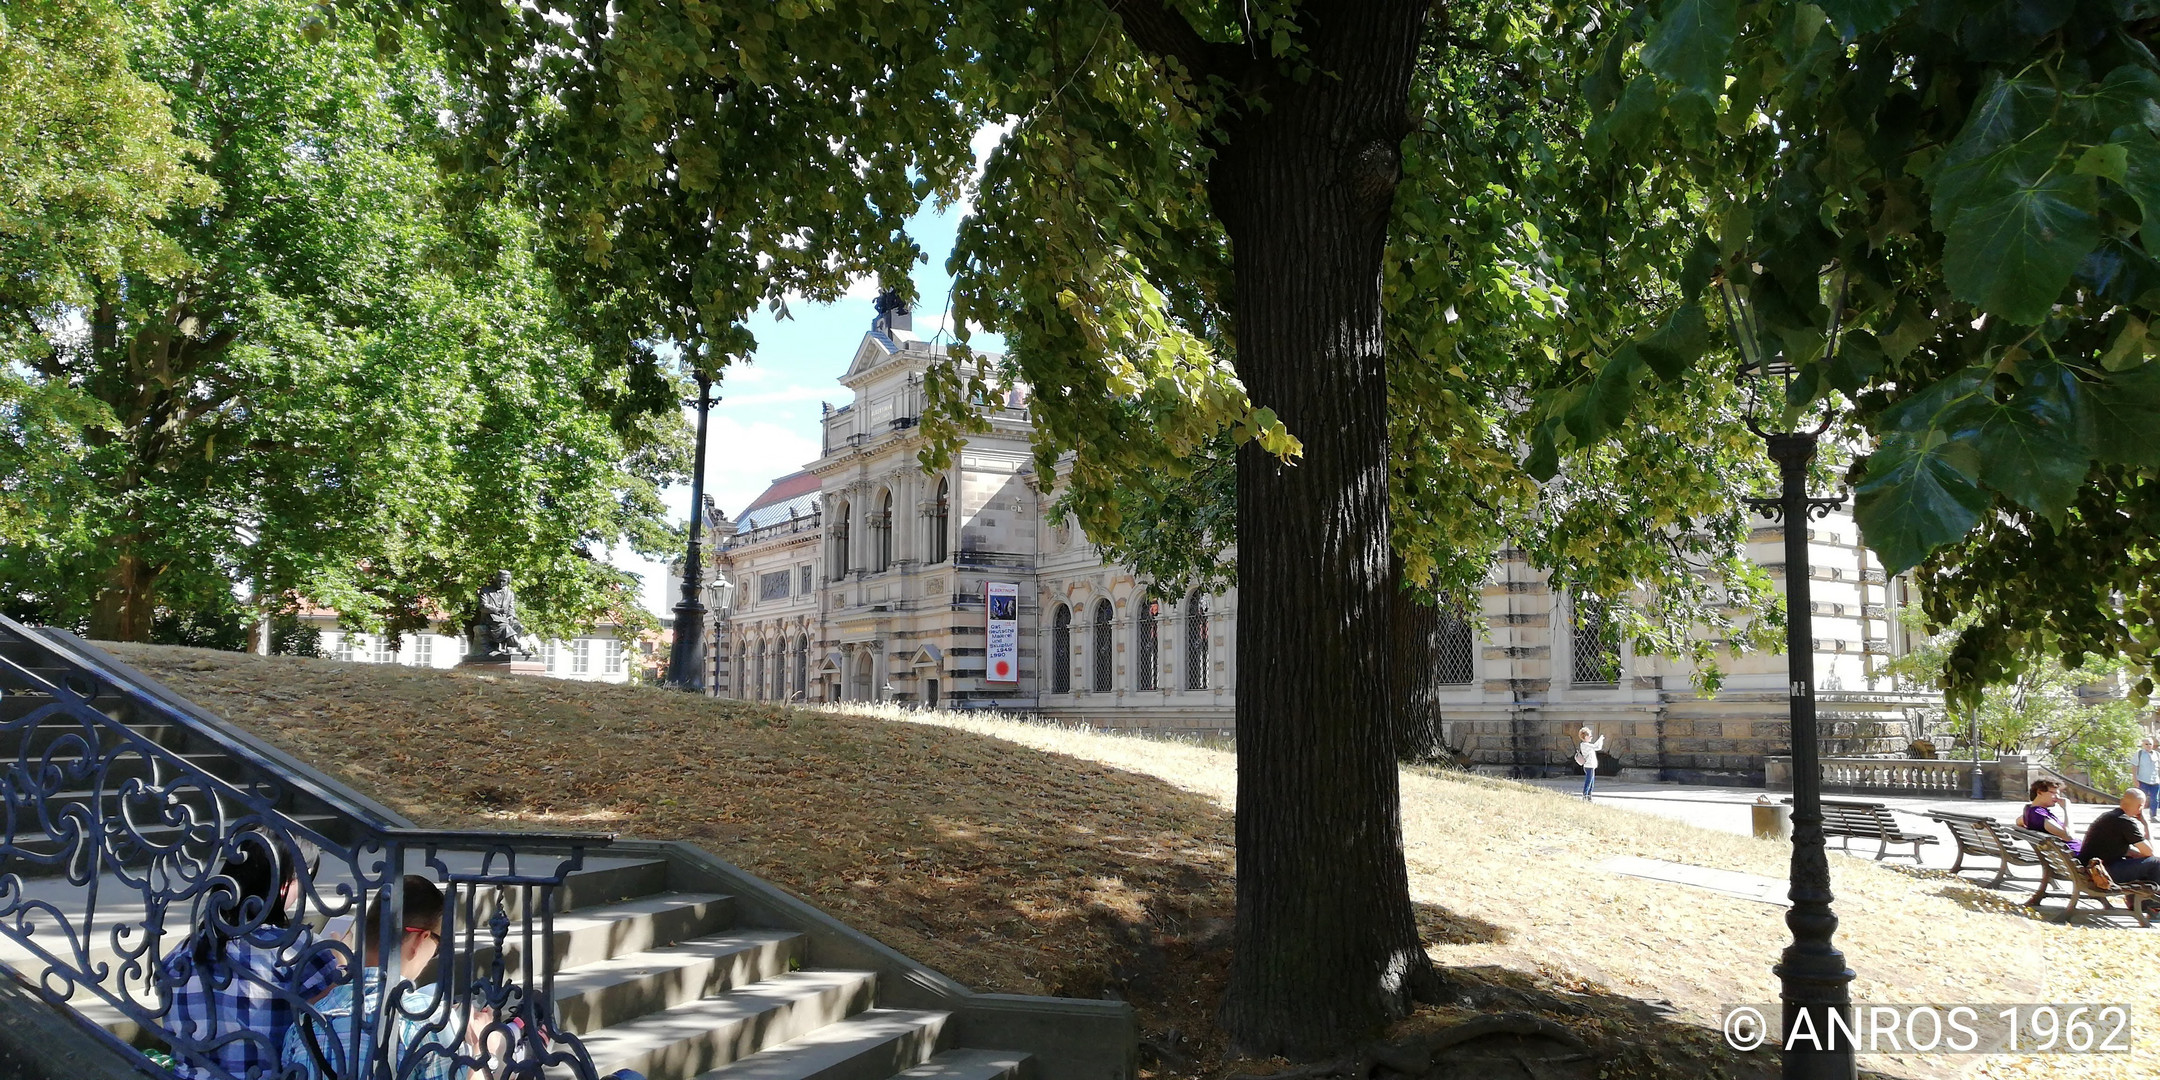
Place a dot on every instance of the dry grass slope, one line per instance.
(1030, 859)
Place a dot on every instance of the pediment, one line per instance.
(873, 351)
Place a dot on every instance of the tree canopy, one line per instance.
(1442, 279)
(1968, 192)
(331, 382)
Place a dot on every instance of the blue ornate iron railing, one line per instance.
(208, 919)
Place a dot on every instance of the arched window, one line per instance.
(742, 670)
(1061, 651)
(1597, 652)
(757, 673)
(881, 530)
(1457, 649)
(1104, 680)
(1196, 643)
(802, 667)
(1144, 643)
(839, 541)
(941, 523)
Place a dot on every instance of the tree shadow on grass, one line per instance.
(1006, 867)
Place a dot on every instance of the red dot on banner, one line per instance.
(1002, 667)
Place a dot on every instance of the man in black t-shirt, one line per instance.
(2117, 839)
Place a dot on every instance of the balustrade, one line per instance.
(124, 858)
(2002, 777)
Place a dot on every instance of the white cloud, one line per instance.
(746, 456)
(742, 456)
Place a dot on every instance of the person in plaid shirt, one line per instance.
(244, 972)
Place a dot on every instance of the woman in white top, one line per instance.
(1586, 751)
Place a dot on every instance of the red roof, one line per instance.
(787, 487)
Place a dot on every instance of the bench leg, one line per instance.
(2001, 872)
(2046, 878)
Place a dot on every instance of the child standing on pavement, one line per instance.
(1586, 752)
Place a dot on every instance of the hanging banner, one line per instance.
(1001, 609)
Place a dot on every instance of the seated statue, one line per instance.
(496, 632)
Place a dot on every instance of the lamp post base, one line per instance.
(686, 658)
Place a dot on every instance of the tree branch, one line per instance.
(1162, 31)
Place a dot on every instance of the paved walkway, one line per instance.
(1727, 810)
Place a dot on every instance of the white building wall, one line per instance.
(911, 629)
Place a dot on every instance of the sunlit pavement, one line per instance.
(1728, 809)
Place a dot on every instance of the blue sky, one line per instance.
(766, 423)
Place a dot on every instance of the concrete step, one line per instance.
(593, 934)
(631, 985)
(53, 728)
(136, 851)
(598, 886)
(705, 1034)
(973, 1065)
(872, 1045)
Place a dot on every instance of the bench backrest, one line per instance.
(1869, 818)
(1974, 834)
(2055, 855)
(2009, 835)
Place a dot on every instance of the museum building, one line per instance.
(862, 578)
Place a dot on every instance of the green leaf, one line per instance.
(1544, 460)
(2126, 416)
(1678, 344)
(1691, 41)
(1852, 18)
(1632, 116)
(2001, 145)
(1914, 500)
(1614, 391)
(2129, 347)
(1940, 406)
(2141, 178)
(2013, 257)
(2032, 449)
(1859, 358)
(2128, 98)
(2107, 159)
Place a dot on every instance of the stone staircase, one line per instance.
(670, 984)
(667, 960)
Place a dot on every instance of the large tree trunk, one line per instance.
(124, 609)
(1416, 639)
(1326, 950)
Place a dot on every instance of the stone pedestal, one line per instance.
(481, 665)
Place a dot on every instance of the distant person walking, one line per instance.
(1586, 752)
(2148, 775)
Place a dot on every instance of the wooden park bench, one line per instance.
(2060, 868)
(1868, 821)
(1986, 838)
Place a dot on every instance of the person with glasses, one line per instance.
(319, 1046)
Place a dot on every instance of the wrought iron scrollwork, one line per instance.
(148, 893)
(1774, 508)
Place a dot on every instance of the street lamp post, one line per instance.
(686, 660)
(1815, 984)
(1973, 743)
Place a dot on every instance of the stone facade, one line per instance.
(861, 578)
